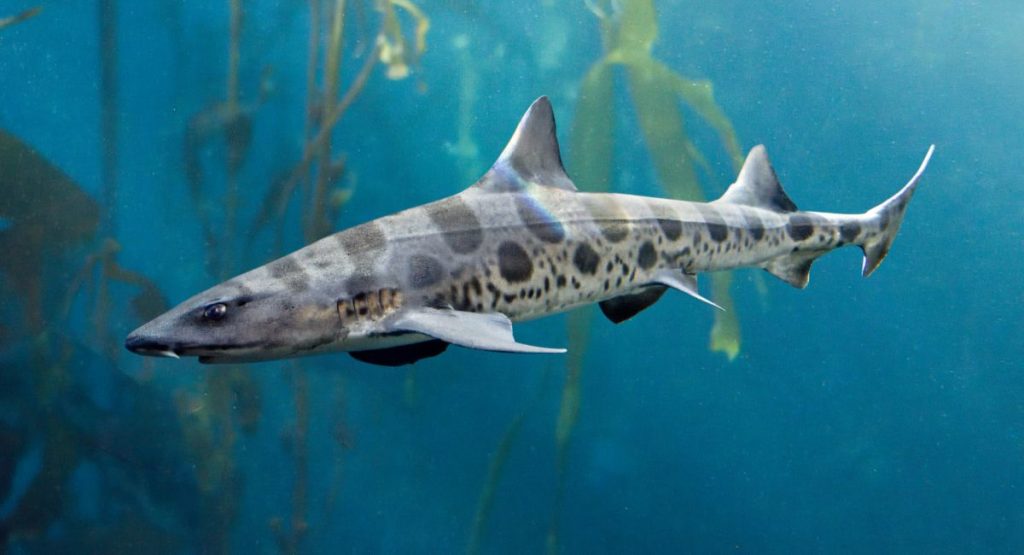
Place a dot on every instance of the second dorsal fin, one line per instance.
(531, 156)
(758, 186)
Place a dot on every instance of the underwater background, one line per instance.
(149, 150)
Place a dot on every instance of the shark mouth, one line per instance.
(144, 346)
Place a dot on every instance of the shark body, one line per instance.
(519, 244)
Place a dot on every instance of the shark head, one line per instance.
(243, 320)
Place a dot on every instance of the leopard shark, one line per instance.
(521, 243)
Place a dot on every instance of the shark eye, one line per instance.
(215, 312)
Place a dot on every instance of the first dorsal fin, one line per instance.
(758, 186)
(531, 156)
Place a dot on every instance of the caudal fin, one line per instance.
(888, 216)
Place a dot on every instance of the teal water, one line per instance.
(865, 416)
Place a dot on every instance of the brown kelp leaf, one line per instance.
(19, 17)
(39, 200)
(393, 46)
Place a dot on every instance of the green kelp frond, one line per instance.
(659, 95)
(593, 131)
(465, 149)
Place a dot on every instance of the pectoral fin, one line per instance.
(487, 332)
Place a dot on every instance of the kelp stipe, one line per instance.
(658, 94)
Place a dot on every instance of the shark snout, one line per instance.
(144, 345)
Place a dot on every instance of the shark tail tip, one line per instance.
(888, 216)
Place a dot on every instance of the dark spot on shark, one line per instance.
(538, 220)
(495, 294)
(667, 220)
(849, 231)
(283, 267)
(585, 259)
(647, 256)
(608, 216)
(757, 231)
(360, 282)
(800, 227)
(362, 239)
(673, 229)
(424, 271)
(718, 232)
(298, 282)
(614, 231)
(513, 262)
(560, 281)
(458, 224)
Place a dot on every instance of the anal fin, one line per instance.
(622, 308)
(401, 355)
(474, 330)
(795, 268)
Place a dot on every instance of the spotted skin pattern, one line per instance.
(522, 243)
(517, 268)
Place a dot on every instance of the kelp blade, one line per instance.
(654, 90)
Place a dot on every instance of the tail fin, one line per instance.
(888, 216)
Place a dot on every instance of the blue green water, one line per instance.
(865, 416)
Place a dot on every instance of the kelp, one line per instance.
(47, 213)
(658, 94)
(39, 199)
(42, 212)
(394, 50)
(323, 199)
(496, 467)
(465, 150)
(494, 471)
(19, 17)
(629, 30)
(51, 222)
(289, 539)
(315, 182)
